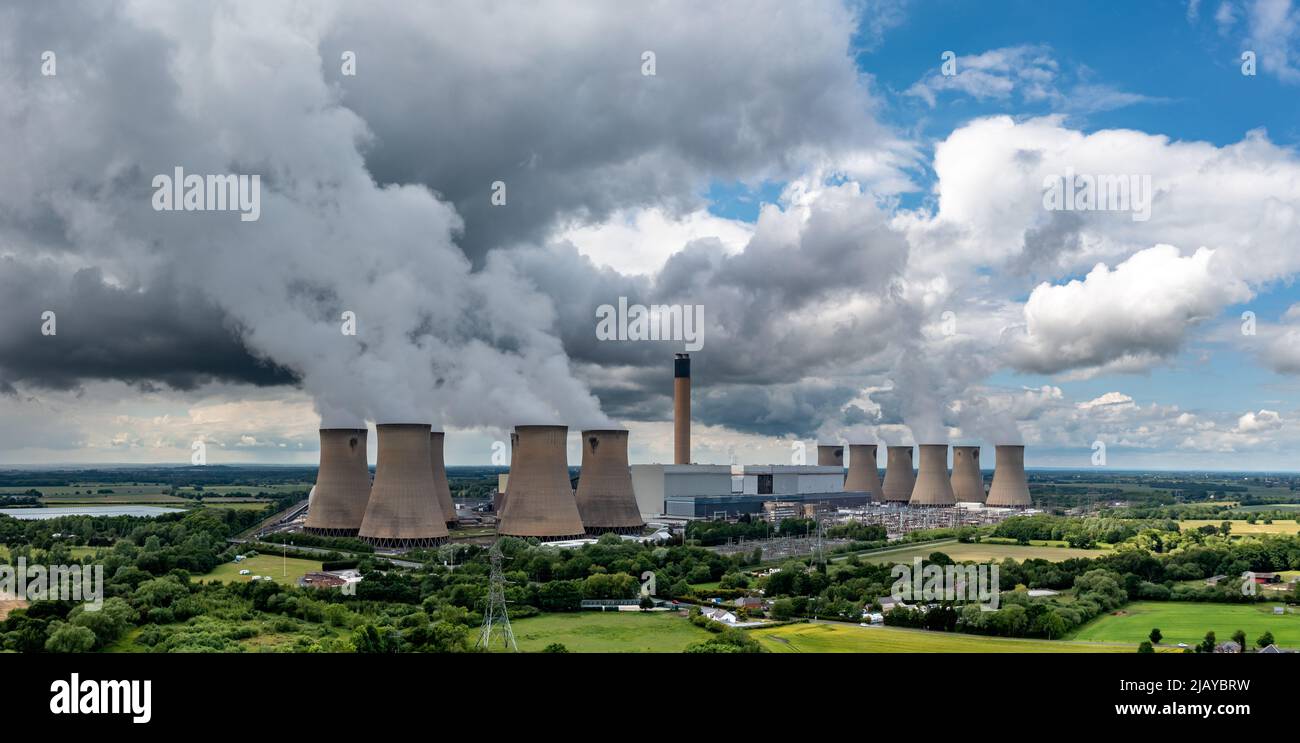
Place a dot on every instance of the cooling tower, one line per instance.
(898, 475)
(967, 480)
(830, 456)
(540, 501)
(440, 486)
(682, 409)
(338, 502)
(403, 512)
(863, 475)
(505, 495)
(933, 487)
(1010, 488)
(605, 498)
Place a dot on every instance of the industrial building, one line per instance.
(706, 490)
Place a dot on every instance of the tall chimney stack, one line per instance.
(967, 479)
(403, 512)
(440, 486)
(863, 475)
(540, 502)
(933, 486)
(605, 498)
(682, 409)
(342, 484)
(1010, 488)
(830, 456)
(899, 477)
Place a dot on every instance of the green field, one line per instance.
(607, 632)
(1244, 527)
(981, 552)
(1188, 622)
(264, 565)
(848, 638)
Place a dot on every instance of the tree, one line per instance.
(1145, 647)
(647, 602)
(1207, 645)
(1264, 640)
(1155, 636)
(555, 647)
(1239, 637)
(70, 638)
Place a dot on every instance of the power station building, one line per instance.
(702, 491)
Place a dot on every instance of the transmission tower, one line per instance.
(494, 614)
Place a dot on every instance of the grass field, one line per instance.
(848, 638)
(607, 632)
(1243, 527)
(1188, 622)
(981, 552)
(264, 565)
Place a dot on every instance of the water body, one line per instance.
(32, 514)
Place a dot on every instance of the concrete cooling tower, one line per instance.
(338, 502)
(933, 486)
(539, 501)
(967, 480)
(403, 512)
(899, 478)
(863, 475)
(1010, 488)
(605, 498)
(440, 486)
(503, 498)
(830, 456)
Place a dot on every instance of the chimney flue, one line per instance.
(682, 409)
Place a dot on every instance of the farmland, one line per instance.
(978, 552)
(1239, 528)
(1188, 622)
(283, 571)
(847, 638)
(607, 632)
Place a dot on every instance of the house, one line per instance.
(1272, 649)
(873, 617)
(1227, 647)
(720, 615)
(321, 580)
(1262, 578)
(889, 603)
(750, 603)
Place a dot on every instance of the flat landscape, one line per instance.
(606, 632)
(962, 552)
(284, 571)
(1244, 527)
(1188, 622)
(847, 638)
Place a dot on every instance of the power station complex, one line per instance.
(409, 503)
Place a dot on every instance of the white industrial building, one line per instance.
(656, 484)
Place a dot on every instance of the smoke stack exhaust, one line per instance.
(682, 409)
(403, 512)
(342, 484)
(830, 456)
(863, 475)
(605, 499)
(1010, 488)
(933, 487)
(440, 486)
(540, 502)
(899, 478)
(967, 479)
